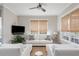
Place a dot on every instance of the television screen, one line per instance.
(18, 29)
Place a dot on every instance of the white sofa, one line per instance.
(39, 39)
(15, 49)
(63, 50)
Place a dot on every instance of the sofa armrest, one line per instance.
(27, 49)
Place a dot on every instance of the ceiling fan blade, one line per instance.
(43, 9)
(33, 8)
(43, 4)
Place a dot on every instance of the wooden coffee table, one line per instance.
(39, 48)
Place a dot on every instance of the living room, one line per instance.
(38, 29)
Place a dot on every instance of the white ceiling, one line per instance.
(23, 8)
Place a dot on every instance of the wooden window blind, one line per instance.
(74, 24)
(39, 26)
(43, 26)
(71, 22)
(65, 23)
(34, 25)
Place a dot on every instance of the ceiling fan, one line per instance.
(39, 6)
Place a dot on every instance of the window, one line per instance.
(39, 26)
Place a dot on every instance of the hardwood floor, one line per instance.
(38, 48)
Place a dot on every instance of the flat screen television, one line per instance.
(18, 30)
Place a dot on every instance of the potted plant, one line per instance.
(18, 39)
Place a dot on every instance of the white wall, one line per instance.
(9, 19)
(52, 22)
(69, 9)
